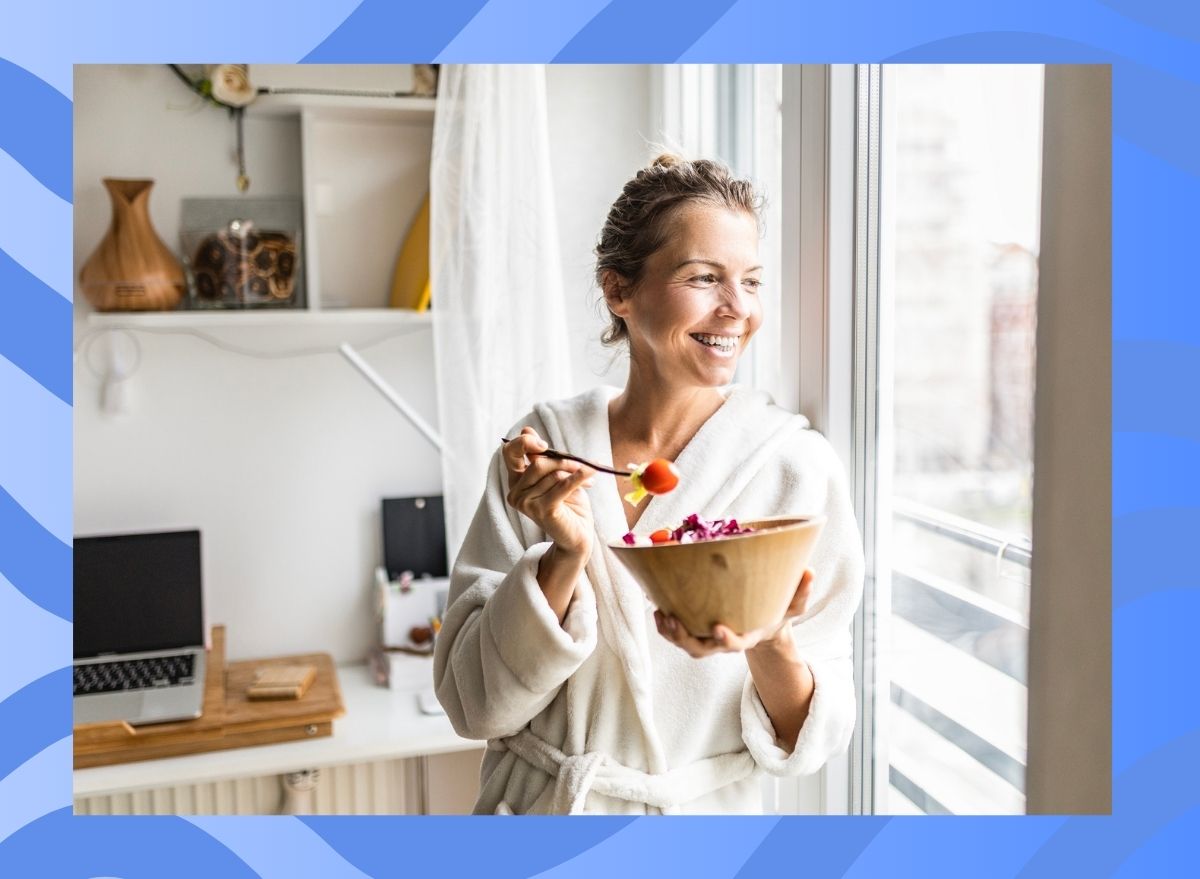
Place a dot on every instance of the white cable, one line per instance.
(87, 338)
(115, 386)
(123, 362)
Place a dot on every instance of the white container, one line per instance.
(399, 611)
(382, 78)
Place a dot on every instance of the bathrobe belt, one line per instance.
(595, 771)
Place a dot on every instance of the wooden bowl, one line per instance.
(745, 581)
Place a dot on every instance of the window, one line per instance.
(907, 291)
(959, 157)
(912, 199)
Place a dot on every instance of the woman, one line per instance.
(592, 701)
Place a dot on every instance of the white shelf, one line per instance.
(379, 724)
(260, 317)
(346, 108)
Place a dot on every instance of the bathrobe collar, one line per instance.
(716, 464)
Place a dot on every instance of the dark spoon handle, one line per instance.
(554, 453)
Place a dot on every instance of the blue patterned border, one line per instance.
(1153, 47)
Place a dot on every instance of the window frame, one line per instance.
(1069, 769)
(829, 352)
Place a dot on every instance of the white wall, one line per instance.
(600, 130)
(281, 463)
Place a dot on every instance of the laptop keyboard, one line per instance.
(134, 674)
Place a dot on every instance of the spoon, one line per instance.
(554, 453)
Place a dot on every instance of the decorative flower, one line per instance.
(230, 84)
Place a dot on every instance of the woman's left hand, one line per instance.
(723, 638)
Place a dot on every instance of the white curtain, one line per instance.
(499, 323)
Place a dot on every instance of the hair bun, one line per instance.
(666, 160)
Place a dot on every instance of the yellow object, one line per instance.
(410, 280)
(639, 491)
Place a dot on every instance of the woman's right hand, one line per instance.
(548, 491)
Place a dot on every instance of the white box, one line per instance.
(382, 78)
(398, 612)
(402, 672)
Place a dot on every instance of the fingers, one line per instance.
(725, 639)
(674, 631)
(542, 488)
(554, 488)
(516, 451)
(538, 477)
(722, 640)
(799, 602)
(565, 485)
(731, 640)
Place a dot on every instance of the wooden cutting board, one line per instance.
(230, 719)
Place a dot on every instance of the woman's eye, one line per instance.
(706, 279)
(753, 283)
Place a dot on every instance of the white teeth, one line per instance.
(725, 343)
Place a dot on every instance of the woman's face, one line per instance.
(697, 305)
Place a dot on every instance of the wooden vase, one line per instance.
(131, 269)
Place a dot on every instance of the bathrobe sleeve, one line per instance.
(501, 655)
(823, 633)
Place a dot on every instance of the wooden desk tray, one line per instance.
(230, 720)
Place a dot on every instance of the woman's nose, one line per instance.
(734, 302)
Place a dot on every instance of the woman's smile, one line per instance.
(722, 346)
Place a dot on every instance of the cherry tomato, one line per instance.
(662, 535)
(660, 476)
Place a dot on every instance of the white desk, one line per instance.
(379, 724)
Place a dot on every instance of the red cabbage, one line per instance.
(695, 528)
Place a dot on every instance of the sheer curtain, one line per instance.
(499, 322)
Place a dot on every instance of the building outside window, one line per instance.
(960, 158)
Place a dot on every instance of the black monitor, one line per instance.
(137, 592)
(414, 536)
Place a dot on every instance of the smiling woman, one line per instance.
(548, 647)
(695, 306)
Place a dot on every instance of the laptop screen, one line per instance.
(136, 592)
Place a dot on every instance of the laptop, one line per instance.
(139, 628)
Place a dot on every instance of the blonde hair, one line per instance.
(639, 221)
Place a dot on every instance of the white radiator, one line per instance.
(447, 784)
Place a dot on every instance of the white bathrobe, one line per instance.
(602, 714)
